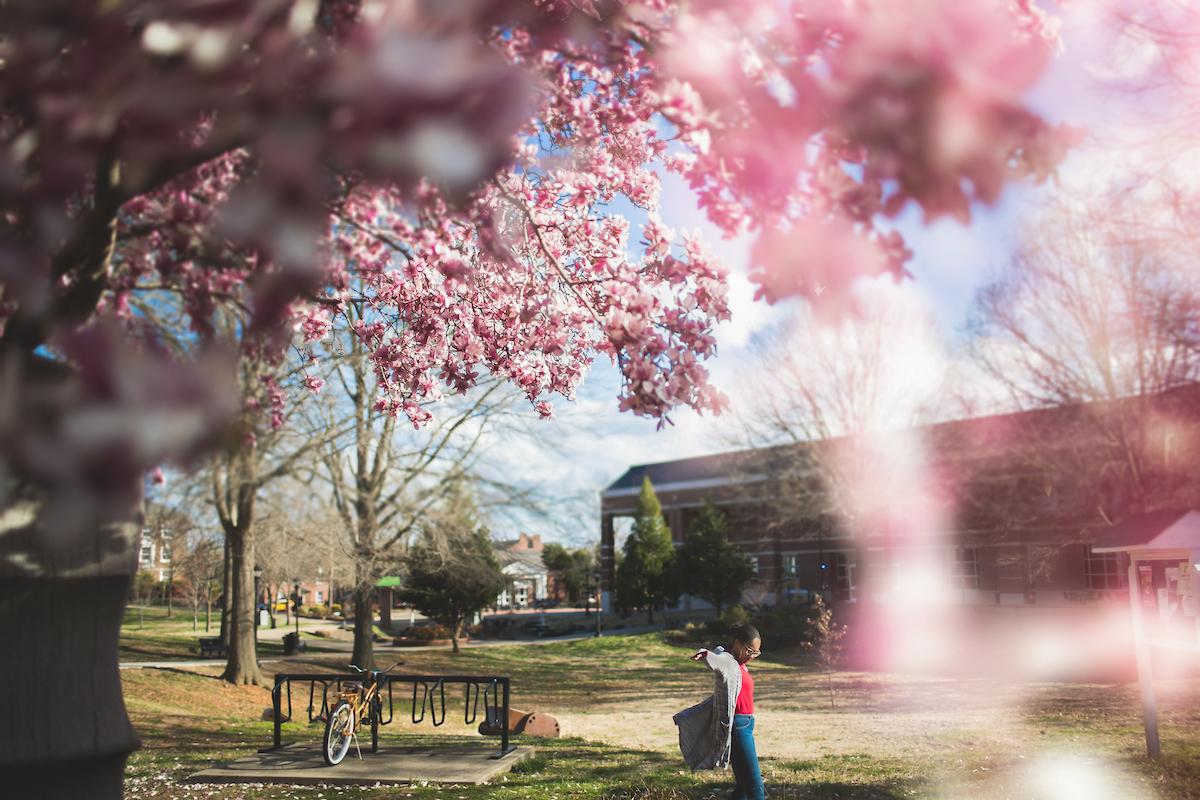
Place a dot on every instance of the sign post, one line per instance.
(1145, 676)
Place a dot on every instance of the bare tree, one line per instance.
(200, 563)
(169, 523)
(1100, 307)
(384, 479)
(258, 454)
(826, 401)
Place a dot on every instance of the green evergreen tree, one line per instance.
(452, 572)
(709, 565)
(644, 577)
(572, 569)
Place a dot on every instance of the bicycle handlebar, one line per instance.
(357, 668)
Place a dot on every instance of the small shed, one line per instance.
(1163, 548)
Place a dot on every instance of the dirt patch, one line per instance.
(190, 694)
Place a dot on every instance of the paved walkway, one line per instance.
(474, 763)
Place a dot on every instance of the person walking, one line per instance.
(720, 730)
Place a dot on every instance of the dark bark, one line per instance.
(385, 608)
(364, 645)
(64, 732)
(241, 667)
(226, 592)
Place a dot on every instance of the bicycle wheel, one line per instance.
(338, 730)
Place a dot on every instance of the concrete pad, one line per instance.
(300, 764)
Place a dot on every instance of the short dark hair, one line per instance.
(744, 632)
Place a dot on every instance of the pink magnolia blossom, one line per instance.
(231, 173)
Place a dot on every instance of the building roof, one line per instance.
(972, 437)
(701, 471)
(1170, 529)
(530, 559)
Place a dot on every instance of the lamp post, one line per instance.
(599, 604)
(258, 573)
(296, 604)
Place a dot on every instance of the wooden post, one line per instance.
(1145, 675)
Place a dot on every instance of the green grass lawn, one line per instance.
(148, 634)
(888, 737)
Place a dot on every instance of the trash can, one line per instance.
(291, 643)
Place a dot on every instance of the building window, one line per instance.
(964, 570)
(320, 598)
(843, 574)
(147, 552)
(789, 566)
(164, 552)
(1104, 572)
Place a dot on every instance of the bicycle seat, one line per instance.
(351, 687)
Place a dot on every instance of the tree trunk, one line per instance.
(226, 591)
(455, 634)
(385, 608)
(364, 645)
(241, 667)
(650, 615)
(207, 605)
(170, 591)
(64, 732)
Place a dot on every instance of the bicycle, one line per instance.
(356, 704)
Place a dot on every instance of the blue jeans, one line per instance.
(744, 758)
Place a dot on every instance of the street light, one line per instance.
(296, 604)
(258, 573)
(599, 604)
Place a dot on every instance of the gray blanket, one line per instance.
(705, 728)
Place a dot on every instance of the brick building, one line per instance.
(1032, 492)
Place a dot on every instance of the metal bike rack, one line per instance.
(429, 692)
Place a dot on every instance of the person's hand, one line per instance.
(699, 655)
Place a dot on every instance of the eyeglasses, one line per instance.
(751, 652)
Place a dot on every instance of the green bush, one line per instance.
(428, 632)
(786, 625)
(734, 615)
(780, 625)
(697, 633)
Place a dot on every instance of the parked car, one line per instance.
(545, 602)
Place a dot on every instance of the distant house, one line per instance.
(527, 579)
(155, 553)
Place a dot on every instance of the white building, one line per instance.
(154, 553)
(527, 578)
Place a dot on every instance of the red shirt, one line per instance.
(745, 698)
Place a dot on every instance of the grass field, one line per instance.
(148, 634)
(888, 737)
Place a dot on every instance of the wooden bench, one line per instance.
(211, 647)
